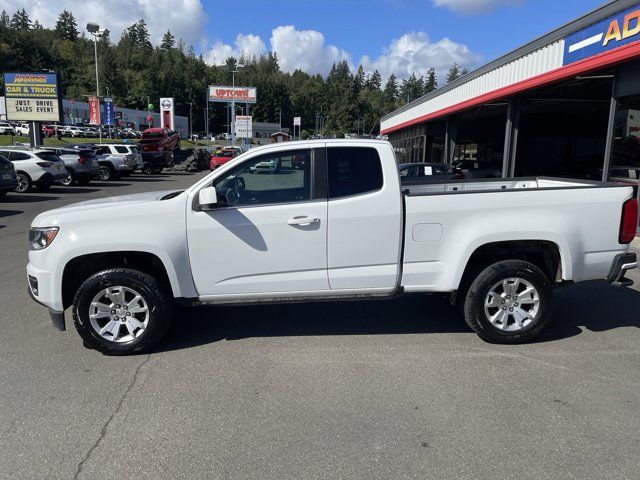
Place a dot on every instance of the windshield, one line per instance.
(152, 135)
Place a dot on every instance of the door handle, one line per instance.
(304, 220)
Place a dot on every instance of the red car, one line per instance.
(220, 158)
(48, 130)
(159, 140)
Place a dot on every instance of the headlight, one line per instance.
(40, 238)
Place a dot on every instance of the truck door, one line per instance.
(268, 233)
(365, 220)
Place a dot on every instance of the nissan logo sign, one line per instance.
(166, 104)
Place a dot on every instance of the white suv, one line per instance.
(123, 149)
(7, 129)
(71, 131)
(23, 129)
(34, 167)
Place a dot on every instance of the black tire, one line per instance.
(24, 183)
(147, 169)
(479, 290)
(157, 170)
(107, 173)
(153, 292)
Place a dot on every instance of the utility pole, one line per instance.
(233, 102)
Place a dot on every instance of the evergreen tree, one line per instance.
(454, 73)
(20, 20)
(391, 89)
(66, 26)
(431, 83)
(37, 25)
(168, 42)
(5, 20)
(375, 82)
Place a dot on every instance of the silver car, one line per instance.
(114, 166)
(81, 165)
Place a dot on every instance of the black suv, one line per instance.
(8, 179)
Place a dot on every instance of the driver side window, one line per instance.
(267, 179)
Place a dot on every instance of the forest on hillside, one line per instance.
(134, 72)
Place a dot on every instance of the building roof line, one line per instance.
(607, 10)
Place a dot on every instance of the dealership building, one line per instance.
(567, 104)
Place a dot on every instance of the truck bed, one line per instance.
(417, 187)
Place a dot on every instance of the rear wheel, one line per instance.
(107, 173)
(509, 302)
(147, 169)
(24, 183)
(121, 311)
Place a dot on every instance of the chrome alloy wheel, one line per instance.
(23, 183)
(512, 304)
(119, 314)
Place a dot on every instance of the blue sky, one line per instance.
(392, 36)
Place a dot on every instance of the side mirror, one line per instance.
(207, 198)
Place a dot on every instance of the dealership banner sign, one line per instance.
(94, 111)
(32, 97)
(219, 93)
(109, 114)
(614, 32)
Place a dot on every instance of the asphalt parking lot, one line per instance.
(380, 389)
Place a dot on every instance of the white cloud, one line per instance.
(245, 45)
(473, 6)
(185, 18)
(304, 50)
(415, 53)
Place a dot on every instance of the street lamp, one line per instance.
(95, 30)
(233, 102)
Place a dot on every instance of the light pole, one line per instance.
(95, 30)
(233, 102)
(190, 122)
(279, 119)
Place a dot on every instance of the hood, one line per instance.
(46, 218)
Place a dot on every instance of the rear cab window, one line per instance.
(353, 171)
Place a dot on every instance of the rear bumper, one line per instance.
(48, 178)
(8, 184)
(621, 264)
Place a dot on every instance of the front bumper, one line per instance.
(40, 287)
(621, 264)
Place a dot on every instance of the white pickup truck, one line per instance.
(329, 220)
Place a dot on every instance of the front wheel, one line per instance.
(121, 311)
(68, 180)
(509, 302)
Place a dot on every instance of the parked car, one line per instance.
(123, 149)
(34, 167)
(420, 172)
(475, 169)
(72, 131)
(7, 129)
(113, 166)
(8, 178)
(49, 130)
(23, 129)
(220, 158)
(81, 165)
(358, 234)
(159, 140)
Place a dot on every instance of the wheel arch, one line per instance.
(547, 255)
(79, 268)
